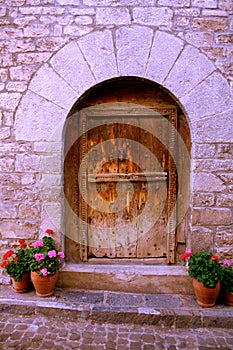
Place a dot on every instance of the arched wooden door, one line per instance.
(126, 183)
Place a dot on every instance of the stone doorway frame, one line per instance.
(78, 66)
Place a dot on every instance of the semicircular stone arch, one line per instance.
(161, 57)
(190, 77)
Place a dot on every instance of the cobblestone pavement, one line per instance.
(44, 332)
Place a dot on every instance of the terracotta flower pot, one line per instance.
(21, 286)
(44, 285)
(229, 298)
(206, 297)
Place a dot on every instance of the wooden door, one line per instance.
(127, 183)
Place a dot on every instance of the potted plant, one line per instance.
(45, 261)
(227, 281)
(16, 264)
(206, 272)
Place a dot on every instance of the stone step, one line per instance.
(127, 278)
(165, 310)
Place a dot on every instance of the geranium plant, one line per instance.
(45, 259)
(16, 262)
(227, 275)
(204, 267)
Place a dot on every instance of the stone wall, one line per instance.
(52, 51)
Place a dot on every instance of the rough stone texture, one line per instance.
(101, 54)
(204, 182)
(53, 52)
(130, 57)
(212, 216)
(43, 128)
(179, 80)
(161, 57)
(53, 88)
(50, 326)
(64, 62)
(215, 90)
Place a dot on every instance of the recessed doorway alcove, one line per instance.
(126, 186)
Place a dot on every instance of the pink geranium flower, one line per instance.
(52, 253)
(61, 254)
(44, 272)
(227, 262)
(38, 244)
(39, 256)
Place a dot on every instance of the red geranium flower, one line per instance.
(8, 254)
(49, 231)
(186, 255)
(5, 263)
(214, 257)
(23, 246)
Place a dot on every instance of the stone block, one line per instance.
(215, 128)
(224, 236)
(70, 64)
(217, 92)
(83, 20)
(68, 2)
(115, 299)
(206, 182)
(10, 179)
(213, 165)
(35, 30)
(48, 84)
(29, 211)
(75, 30)
(51, 194)
(51, 164)
(50, 44)
(164, 52)
(19, 229)
(224, 39)
(99, 55)
(132, 58)
(43, 128)
(112, 16)
(204, 150)
(153, 16)
(225, 5)
(211, 216)
(27, 162)
(227, 177)
(224, 151)
(119, 2)
(205, 3)
(203, 199)
(225, 253)
(20, 193)
(7, 164)
(8, 118)
(5, 132)
(174, 3)
(8, 211)
(28, 179)
(200, 39)
(33, 58)
(215, 24)
(202, 239)
(48, 180)
(179, 80)
(9, 100)
(224, 200)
